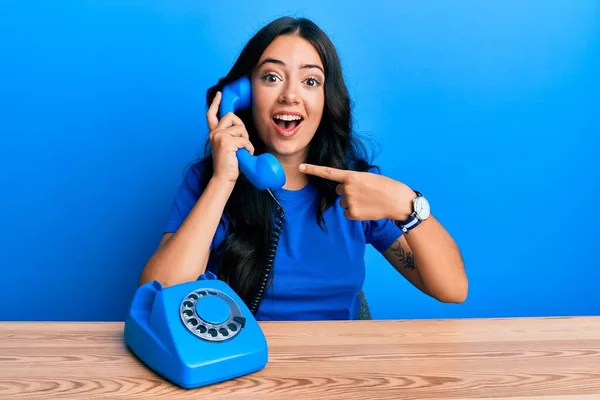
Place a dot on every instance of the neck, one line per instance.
(294, 179)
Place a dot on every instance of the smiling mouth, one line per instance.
(287, 126)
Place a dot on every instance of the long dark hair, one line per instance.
(241, 255)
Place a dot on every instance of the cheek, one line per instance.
(316, 109)
(257, 115)
(257, 110)
(260, 105)
(261, 121)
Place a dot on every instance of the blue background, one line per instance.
(489, 108)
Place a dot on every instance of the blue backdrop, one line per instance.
(490, 108)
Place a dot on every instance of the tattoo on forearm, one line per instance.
(404, 257)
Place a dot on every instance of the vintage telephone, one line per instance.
(195, 333)
(199, 333)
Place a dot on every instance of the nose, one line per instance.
(289, 94)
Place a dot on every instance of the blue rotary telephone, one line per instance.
(195, 333)
(201, 332)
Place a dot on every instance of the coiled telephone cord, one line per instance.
(275, 235)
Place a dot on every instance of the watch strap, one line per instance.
(409, 224)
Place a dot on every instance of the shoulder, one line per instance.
(190, 189)
(196, 176)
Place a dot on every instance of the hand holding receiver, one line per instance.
(264, 171)
(226, 137)
(196, 333)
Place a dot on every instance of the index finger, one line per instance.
(334, 174)
(211, 114)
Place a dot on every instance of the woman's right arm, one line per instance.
(182, 256)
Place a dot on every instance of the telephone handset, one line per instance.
(196, 333)
(263, 171)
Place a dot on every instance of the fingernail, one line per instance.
(302, 167)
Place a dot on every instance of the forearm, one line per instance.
(184, 256)
(438, 261)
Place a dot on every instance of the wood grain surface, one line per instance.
(521, 358)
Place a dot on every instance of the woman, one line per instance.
(335, 202)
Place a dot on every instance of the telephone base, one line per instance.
(174, 334)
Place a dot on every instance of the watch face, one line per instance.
(422, 208)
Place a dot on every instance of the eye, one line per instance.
(312, 82)
(270, 77)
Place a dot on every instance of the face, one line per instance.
(288, 95)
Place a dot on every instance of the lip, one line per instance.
(284, 133)
(286, 112)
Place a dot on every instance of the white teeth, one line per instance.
(286, 117)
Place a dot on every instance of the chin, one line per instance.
(287, 148)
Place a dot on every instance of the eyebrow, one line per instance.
(276, 61)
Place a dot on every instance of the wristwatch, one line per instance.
(421, 211)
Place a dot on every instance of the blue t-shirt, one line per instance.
(317, 274)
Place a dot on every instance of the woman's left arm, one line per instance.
(426, 256)
(429, 259)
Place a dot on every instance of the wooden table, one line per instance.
(546, 358)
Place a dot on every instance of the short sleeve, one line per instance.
(382, 233)
(188, 194)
